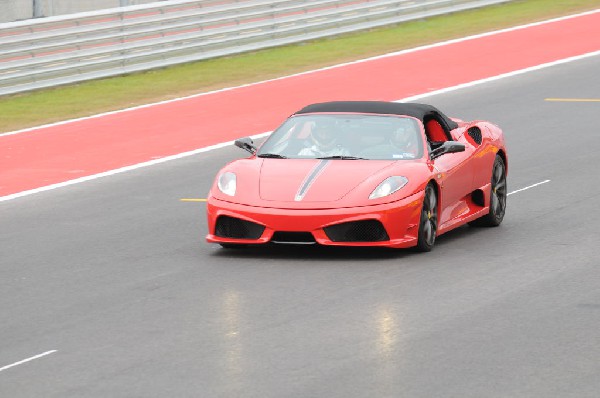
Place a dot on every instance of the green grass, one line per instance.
(61, 103)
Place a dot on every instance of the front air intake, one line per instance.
(357, 231)
(235, 228)
(293, 237)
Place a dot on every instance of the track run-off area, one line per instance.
(108, 289)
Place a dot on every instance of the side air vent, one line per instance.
(357, 231)
(478, 198)
(231, 227)
(475, 134)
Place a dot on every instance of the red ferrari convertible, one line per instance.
(361, 174)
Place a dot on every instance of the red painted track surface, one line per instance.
(56, 154)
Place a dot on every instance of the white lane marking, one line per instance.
(224, 144)
(27, 360)
(122, 169)
(502, 76)
(529, 187)
(510, 193)
(407, 51)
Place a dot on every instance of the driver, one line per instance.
(324, 141)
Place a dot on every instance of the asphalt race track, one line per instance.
(115, 276)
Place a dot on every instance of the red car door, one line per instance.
(455, 176)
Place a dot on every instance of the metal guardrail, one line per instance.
(53, 51)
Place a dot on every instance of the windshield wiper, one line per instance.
(343, 157)
(272, 155)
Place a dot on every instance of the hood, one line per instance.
(314, 180)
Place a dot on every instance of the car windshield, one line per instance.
(345, 137)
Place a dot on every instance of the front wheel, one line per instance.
(498, 196)
(428, 221)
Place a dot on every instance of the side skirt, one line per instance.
(472, 203)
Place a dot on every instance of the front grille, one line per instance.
(357, 231)
(293, 237)
(231, 227)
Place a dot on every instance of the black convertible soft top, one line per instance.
(422, 112)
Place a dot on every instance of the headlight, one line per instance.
(388, 187)
(227, 183)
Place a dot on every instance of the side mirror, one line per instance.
(447, 147)
(246, 144)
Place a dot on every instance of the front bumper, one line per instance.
(400, 220)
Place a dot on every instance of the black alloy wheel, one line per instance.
(428, 222)
(498, 196)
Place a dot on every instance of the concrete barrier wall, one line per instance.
(16, 10)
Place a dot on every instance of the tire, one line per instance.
(498, 196)
(428, 221)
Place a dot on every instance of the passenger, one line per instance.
(404, 140)
(401, 143)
